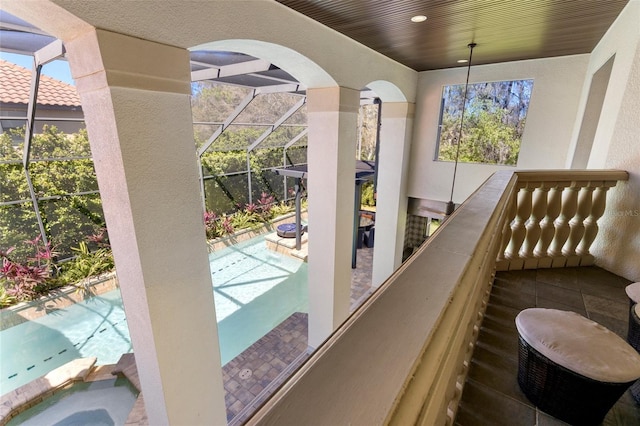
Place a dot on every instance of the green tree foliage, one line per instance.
(494, 120)
(368, 197)
(366, 148)
(367, 132)
(68, 170)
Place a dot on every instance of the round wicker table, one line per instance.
(633, 337)
(571, 367)
(633, 292)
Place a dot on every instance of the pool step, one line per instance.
(302, 254)
(100, 372)
(287, 246)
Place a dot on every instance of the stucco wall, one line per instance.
(554, 102)
(617, 145)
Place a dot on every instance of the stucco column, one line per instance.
(135, 96)
(391, 203)
(332, 120)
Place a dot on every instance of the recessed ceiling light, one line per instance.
(418, 18)
(463, 61)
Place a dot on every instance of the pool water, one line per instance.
(105, 402)
(94, 327)
(255, 289)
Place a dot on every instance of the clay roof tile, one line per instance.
(15, 82)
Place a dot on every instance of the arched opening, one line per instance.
(122, 106)
(394, 118)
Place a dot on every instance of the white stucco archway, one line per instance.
(302, 68)
(328, 141)
(393, 156)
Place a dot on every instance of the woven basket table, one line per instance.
(633, 292)
(571, 367)
(633, 337)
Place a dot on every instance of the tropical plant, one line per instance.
(21, 281)
(100, 239)
(5, 298)
(211, 225)
(85, 264)
(368, 197)
(265, 204)
(251, 216)
(245, 219)
(227, 225)
(281, 209)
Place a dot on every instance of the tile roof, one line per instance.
(15, 82)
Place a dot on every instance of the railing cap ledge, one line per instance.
(571, 175)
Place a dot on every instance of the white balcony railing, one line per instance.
(402, 357)
(552, 220)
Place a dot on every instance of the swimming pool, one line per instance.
(255, 289)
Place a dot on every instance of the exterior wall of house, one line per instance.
(616, 144)
(554, 104)
(8, 113)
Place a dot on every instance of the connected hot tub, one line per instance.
(103, 402)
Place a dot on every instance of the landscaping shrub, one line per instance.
(251, 216)
(23, 280)
(368, 198)
(38, 273)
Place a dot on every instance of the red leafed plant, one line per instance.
(227, 225)
(22, 280)
(264, 204)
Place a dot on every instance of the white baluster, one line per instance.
(567, 211)
(538, 209)
(599, 202)
(502, 264)
(547, 229)
(518, 230)
(576, 225)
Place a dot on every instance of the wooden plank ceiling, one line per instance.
(504, 30)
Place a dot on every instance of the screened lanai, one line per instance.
(249, 118)
(261, 126)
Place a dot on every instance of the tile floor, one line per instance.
(491, 395)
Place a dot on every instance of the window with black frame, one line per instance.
(494, 121)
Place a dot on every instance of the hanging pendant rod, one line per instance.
(451, 204)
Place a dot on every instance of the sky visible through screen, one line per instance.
(57, 69)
